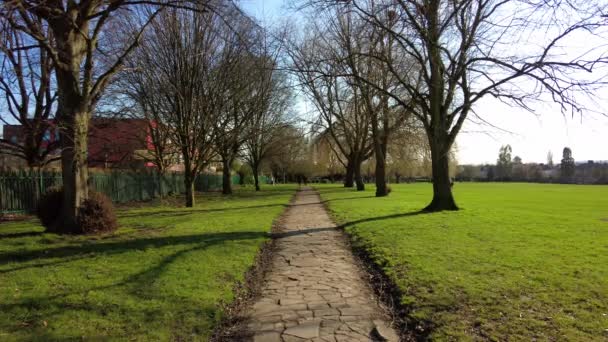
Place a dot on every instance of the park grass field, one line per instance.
(162, 276)
(518, 262)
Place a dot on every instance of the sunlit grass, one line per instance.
(161, 276)
(518, 262)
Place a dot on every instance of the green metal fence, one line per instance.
(21, 190)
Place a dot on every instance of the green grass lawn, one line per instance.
(161, 276)
(518, 262)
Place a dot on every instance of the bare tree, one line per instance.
(347, 50)
(364, 45)
(26, 83)
(273, 100)
(406, 151)
(318, 62)
(86, 49)
(284, 154)
(241, 94)
(185, 63)
(138, 96)
(458, 52)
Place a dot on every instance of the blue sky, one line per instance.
(530, 135)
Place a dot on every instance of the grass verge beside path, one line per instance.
(518, 262)
(161, 276)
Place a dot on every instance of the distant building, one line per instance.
(15, 134)
(113, 143)
(119, 143)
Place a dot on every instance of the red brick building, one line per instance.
(113, 143)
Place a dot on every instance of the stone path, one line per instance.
(314, 291)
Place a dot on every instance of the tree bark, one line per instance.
(358, 177)
(438, 129)
(75, 172)
(442, 187)
(349, 180)
(189, 184)
(256, 178)
(73, 113)
(381, 189)
(226, 177)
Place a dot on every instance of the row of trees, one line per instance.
(202, 73)
(207, 76)
(372, 67)
(208, 84)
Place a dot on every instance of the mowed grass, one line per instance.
(162, 276)
(518, 262)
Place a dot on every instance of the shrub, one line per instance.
(388, 189)
(49, 207)
(97, 215)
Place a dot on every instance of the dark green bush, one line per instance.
(95, 216)
(49, 207)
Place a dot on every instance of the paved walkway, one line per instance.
(314, 290)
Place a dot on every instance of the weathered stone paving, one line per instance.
(314, 290)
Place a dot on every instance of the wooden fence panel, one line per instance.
(20, 190)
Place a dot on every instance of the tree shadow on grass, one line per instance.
(330, 200)
(94, 248)
(138, 284)
(153, 318)
(385, 217)
(347, 198)
(19, 235)
(184, 212)
(298, 232)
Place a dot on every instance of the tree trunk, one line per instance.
(75, 172)
(73, 113)
(381, 189)
(437, 133)
(189, 183)
(241, 178)
(226, 179)
(442, 187)
(380, 145)
(256, 179)
(349, 180)
(380, 176)
(358, 177)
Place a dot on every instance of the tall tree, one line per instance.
(183, 62)
(268, 120)
(550, 159)
(343, 115)
(289, 147)
(143, 102)
(504, 164)
(269, 105)
(567, 167)
(87, 49)
(448, 55)
(241, 95)
(27, 84)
